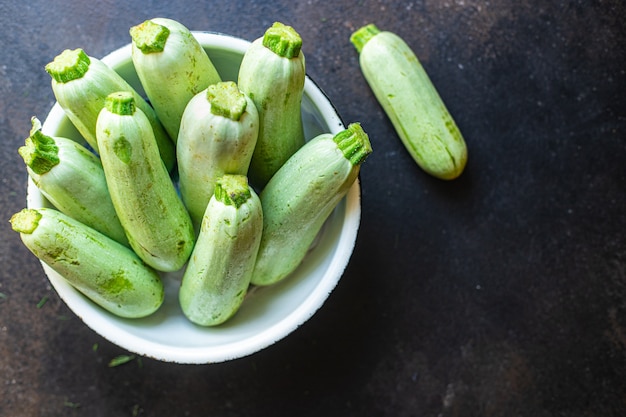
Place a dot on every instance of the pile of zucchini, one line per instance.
(208, 177)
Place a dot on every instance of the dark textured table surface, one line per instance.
(501, 293)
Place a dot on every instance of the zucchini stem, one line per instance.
(283, 40)
(354, 143)
(25, 221)
(232, 190)
(226, 100)
(361, 36)
(149, 37)
(69, 65)
(121, 103)
(40, 152)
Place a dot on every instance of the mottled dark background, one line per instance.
(502, 293)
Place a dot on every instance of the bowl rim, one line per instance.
(259, 340)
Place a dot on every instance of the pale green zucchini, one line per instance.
(410, 100)
(157, 224)
(272, 74)
(218, 134)
(71, 178)
(81, 83)
(172, 67)
(108, 273)
(218, 273)
(301, 196)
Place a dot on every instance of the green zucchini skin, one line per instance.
(211, 145)
(75, 184)
(108, 273)
(411, 101)
(275, 84)
(219, 270)
(173, 75)
(299, 198)
(156, 222)
(82, 99)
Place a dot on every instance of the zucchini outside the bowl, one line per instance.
(81, 84)
(172, 67)
(218, 133)
(272, 74)
(71, 177)
(157, 224)
(108, 273)
(301, 196)
(410, 100)
(219, 270)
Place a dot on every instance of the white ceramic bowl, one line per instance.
(268, 314)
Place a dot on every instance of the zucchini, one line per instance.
(218, 133)
(81, 83)
(172, 67)
(72, 179)
(157, 224)
(219, 270)
(108, 273)
(272, 74)
(411, 102)
(300, 197)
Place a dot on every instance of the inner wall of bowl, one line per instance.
(268, 313)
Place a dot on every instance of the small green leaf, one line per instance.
(43, 301)
(120, 360)
(136, 410)
(71, 404)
